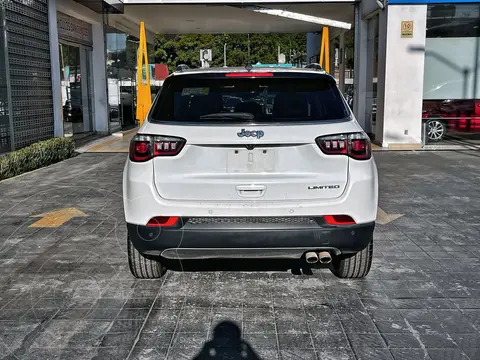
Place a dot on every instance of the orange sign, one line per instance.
(407, 29)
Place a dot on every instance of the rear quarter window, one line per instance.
(194, 98)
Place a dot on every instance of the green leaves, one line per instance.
(35, 156)
(185, 49)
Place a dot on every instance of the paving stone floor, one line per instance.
(66, 292)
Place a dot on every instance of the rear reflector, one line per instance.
(339, 220)
(163, 221)
(249, 74)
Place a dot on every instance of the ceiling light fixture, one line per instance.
(300, 17)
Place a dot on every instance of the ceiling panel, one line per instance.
(178, 19)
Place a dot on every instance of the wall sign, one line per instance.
(406, 29)
(72, 29)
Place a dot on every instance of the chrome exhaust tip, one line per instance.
(324, 257)
(311, 257)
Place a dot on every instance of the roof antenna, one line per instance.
(249, 66)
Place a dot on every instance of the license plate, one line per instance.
(251, 161)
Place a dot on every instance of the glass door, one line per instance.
(74, 67)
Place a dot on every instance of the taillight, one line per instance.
(167, 146)
(337, 144)
(355, 145)
(146, 147)
(339, 220)
(163, 221)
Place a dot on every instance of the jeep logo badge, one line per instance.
(251, 133)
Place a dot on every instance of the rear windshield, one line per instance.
(262, 99)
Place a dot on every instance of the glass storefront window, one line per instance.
(121, 73)
(451, 92)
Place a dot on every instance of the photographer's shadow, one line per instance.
(227, 344)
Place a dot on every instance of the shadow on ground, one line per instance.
(227, 344)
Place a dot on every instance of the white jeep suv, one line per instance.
(295, 182)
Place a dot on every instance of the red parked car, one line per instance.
(445, 117)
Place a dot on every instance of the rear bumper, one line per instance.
(142, 201)
(245, 240)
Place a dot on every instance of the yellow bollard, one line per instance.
(144, 94)
(325, 50)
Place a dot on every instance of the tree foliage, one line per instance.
(263, 48)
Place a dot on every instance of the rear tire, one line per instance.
(141, 267)
(353, 267)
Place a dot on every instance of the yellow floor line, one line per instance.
(128, 132)
(119, 150)
(102, 145)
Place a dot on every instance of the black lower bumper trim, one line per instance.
(220, 239)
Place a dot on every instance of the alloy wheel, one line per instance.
(435, 130)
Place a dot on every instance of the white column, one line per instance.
(401, 75)
(100, 104)
(55, 70)
(360, 68)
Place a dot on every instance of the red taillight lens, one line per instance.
(355, 145)
(334, 144)
(145, 147)
(249, 74)
(140, 148)
(339, 220)
(163, 221)
(360, 149)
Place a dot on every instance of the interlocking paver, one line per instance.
(67, 292)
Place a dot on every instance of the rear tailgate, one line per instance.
(287, 166)
(269, 158)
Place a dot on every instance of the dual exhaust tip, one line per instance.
(323, 257)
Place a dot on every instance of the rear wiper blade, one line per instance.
(228, 116)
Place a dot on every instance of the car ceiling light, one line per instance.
(300, 17)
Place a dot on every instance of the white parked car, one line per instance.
(297, 182)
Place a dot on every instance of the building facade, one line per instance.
(426, 75)
(26, 102)
(415, 75)
(62, 64)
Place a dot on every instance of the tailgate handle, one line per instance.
(251, 190)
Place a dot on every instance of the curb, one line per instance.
(124, 133)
